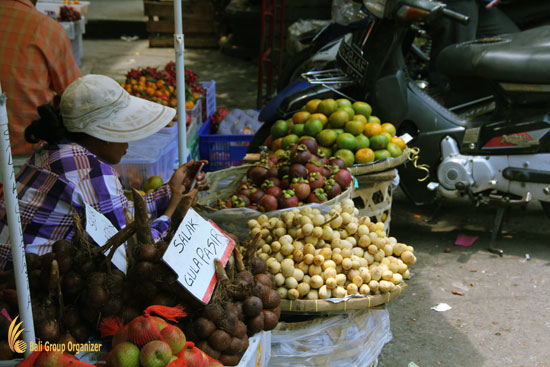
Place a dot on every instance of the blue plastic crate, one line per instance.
(222, 151)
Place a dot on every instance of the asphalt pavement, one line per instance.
(500, 314)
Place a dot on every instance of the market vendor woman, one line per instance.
(74, 169)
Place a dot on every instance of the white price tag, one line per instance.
(101, 229)
(192, 251)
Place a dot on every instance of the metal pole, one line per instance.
(14, 225)
(180, 83)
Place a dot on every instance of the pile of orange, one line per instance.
(341, 129)
(157, 91)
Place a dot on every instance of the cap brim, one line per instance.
(141, 119)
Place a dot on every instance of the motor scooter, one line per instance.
(486, 137)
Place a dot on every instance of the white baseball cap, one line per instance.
(98, 106)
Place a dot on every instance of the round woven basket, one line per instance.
(311, 306)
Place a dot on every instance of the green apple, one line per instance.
(174, 337)
(125, 354)
(155, 354)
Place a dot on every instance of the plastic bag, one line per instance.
(355, 338)
(345, 12)
(223, 184)
(240, 122)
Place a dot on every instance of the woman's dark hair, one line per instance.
(49, 128)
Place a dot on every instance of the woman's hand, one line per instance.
(177, 185)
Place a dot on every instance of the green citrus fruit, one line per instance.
(338, 119)
(381, 154)
(394, 150)
(342, 102)
(289, 140)
(362, 108)
(326, 151)
(313, 127)
(327, 137)
(346, 155)
(350, 112)
(152, 183)
(346, 141)
(279, 129)
(388, 128)
(378, 142)
(327, 106)
(354, 127)
(298, 129)
(361, 142)
(311, 106)
(388, 135)
(373, 119)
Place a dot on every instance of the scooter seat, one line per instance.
(522, 57)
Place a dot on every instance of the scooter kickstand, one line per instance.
(499, 219)
(436, 214)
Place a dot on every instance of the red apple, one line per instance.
(125, 354)
(194, 357)
(142, 330)
(155, 354)
(174, 337)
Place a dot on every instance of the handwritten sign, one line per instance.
(101, 229)
(192, 251)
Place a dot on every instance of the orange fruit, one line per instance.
(298, 129)
(321, 117)
(276, 144)
(365, 155)
(372, 129)
(388, 135)
(338, 119)
(388, 128)
(327, 106)
(189, 105)
(362, 108)
(354, 127)
(268, 140)
(400, 142)
(311, 106)
(350, 111)
(300, 117)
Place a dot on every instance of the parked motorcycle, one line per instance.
(487, 137)
(323, 47)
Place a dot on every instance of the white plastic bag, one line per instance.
(355, 338)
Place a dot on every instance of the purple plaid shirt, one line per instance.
(58, 181)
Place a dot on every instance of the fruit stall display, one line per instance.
(159, 85)
(75, 289)
(342, 129)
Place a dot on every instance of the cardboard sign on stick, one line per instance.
(192, 251)
(101, 229)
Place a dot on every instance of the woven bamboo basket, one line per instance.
(323, 306)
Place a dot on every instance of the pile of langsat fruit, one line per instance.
(315, 256)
